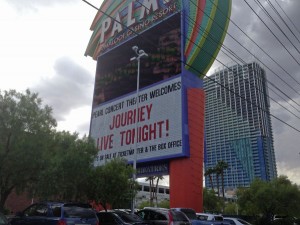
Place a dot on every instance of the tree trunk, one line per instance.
(151, 192)
(217, 177)
(211, 182)
(222, 179)
(156, 189)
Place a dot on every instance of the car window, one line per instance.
(231, 222)
(78, 212)
(202, 217)
(189, 213)
(36, 210)
(129, 217)
(218, 218)
(141, 214)
(3, 220)
(144, 214)
(157, 216)
(179, 216)
(106, 218)
(243, 222)
(56, 210)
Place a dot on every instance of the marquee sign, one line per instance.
(203, 28)
(162, 127)
(158, 119)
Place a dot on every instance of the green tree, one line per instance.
(211, 202)
(111, 185)
(220, 167)
(162, 204)
(25, 128)
(278, 196)
(154, 188)
(69, 164)
(231, 208)
(151, 189)
(158, 178)
(209, 172)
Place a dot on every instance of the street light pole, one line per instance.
(139, 54)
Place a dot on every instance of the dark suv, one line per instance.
(56, 213)
(163, 216)
(118, 217)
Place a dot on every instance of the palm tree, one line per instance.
(217, 172)
(209, 172)
(151, 187)
(154, 190)
(220, 167)
(159, 177)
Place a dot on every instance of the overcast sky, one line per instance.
(42, 45)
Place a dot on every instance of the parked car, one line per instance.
(163, 216)
(214, 219)
(191, 214)
(236, 221)
(286, 220)
(209, 217)
(3, 220)
(56, 213)
(119, 217)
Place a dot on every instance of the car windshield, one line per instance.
(179, 216)
(78, 212)
(218, 218)
(3, 220)
(189, 213)
(243, 222)
(202, 217)
(129, 217)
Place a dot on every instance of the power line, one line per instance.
(278, 14)
(205, 74)
(272, 33)
(255, 88)
(287, 17)
(256, 59)
(275, 23)
(256, 43)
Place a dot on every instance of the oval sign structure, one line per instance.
(203, 28)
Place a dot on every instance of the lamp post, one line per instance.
(139, 54)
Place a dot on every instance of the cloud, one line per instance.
(70, 88)
(284, 86)
(33, 5)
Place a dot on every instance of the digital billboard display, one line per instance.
(116, 75)
(118, 21)
(157, 120)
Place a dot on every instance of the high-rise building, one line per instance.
(238, 125)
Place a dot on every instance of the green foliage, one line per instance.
(279, 196)
(218, 170)
(230, 208)
(25, 128)
(211, 202)
(111, 184)
(69, 164)
(145, 204)
(164, 204)
(153, 184)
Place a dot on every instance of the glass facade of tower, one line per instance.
(238, 125)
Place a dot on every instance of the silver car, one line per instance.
(163, 216)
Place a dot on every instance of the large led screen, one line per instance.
(116, 75)
(157, 118)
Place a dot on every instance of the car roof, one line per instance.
(64, 203)
(156, 208)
